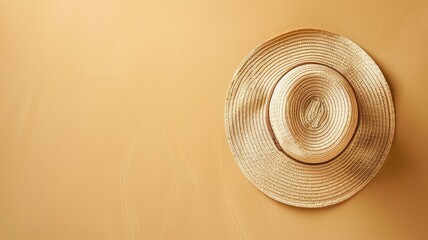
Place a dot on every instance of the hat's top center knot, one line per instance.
(314, 113)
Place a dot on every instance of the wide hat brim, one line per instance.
(267, 161)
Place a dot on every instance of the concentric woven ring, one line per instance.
(309, 118)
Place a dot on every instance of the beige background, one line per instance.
(111, 120)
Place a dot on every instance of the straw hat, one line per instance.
(309, 118)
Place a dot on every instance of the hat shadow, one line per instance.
(394, 165)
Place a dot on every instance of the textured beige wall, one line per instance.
(111, 120)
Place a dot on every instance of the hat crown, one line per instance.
(313, 113)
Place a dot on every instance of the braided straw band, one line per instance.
(309, 118)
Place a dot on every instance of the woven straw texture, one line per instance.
(309, 118)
